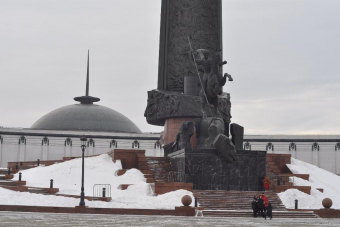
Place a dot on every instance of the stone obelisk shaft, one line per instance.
(201, 21)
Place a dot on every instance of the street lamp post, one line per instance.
(83, 140)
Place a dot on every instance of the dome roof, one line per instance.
(86, 117)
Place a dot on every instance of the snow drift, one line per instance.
(318, 178)
(98, 170)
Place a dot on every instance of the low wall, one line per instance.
(86, 210)
(278, 189)
(323, 213)
(328, 213)
(280, 161)
(128, 158)
(162, 188)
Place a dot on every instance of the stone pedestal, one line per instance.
(328, 213)
(208, 171)
(185, 211)
(237, 132)
(171, 129)
(171, 109)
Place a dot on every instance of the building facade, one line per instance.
(29, 145)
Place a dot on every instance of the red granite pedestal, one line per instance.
(171, 129)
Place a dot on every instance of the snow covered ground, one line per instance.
(101, 170)
(98, 170)
(318, 178)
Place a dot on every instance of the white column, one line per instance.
(336, 162)
(25, 153)
(0, 154)
(42, 152)
(48, 152)
(65, 151)
(18, 155)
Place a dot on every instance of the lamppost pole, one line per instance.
(83, 140)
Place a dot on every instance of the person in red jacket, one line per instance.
(265, 201)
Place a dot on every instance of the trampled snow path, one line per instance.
(318, 178)
(98, 170)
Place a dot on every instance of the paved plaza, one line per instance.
(49, 219)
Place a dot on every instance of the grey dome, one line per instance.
(86, 117)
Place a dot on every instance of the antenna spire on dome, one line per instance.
(87, 99)
(88, 72)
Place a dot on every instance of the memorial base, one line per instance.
(208, 171)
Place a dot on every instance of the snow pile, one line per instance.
(98, 170)
(67, 175)
(125, 200)
(318, 178)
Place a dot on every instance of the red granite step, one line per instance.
(249, 213)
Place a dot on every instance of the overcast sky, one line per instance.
(284, 56)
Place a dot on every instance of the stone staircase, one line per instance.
(155, 169)
(238, 204)
(248, 214)
(234, 200)
(279, 173)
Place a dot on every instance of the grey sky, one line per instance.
(284, 57)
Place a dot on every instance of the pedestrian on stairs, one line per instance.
(265, 202)
(260, 205)
(269, 211)
(254, 206)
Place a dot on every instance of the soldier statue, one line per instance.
(212, 81)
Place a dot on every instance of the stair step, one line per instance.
(150, 180)
(7, 183)
(146, 171)
(158, 159)
(249, 213)
(233, 200)
(37, 190)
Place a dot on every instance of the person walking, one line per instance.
(260, 205)
(269, 211)
(265, 202)
(254, 206)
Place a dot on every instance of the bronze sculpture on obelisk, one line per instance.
(176, 98)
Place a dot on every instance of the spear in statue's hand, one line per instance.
(205, 95)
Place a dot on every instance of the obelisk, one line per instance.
(197, 21)
(201, 21)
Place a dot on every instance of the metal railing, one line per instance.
(101, 190)
(177, 177)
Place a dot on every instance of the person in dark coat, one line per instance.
(269, 211)
(254, 206)
(260, 205)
